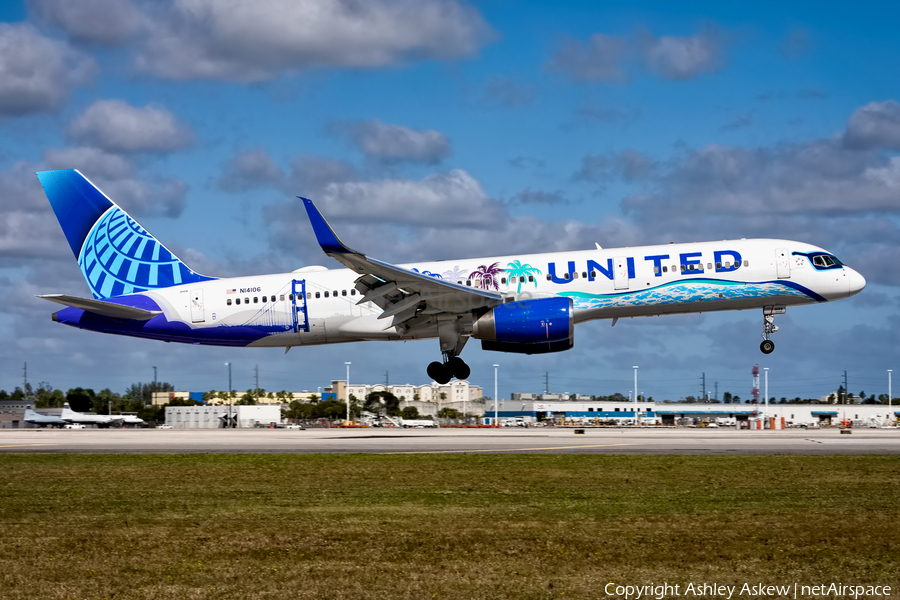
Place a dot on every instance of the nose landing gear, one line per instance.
(453, 366)
(769, 327)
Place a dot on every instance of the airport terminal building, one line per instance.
(587, 412)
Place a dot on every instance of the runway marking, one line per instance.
(506, 449)
(24, 445)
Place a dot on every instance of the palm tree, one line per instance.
(486, 276)
(455, 274)
(517, 269)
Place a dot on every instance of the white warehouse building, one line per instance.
(215, 417)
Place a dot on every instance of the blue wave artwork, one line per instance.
(685, 291)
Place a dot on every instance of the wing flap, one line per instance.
(399, 292)
(102, 308)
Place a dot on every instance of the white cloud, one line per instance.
(677, 58)
(603, 58)
(387, 143)
(159, 198)
(875, 125)
(107, 22)
(36, 72)
(27, 226)
(628, 165)
(116, 126)
(243, 40)
(119, 180)
(92, 162)
(451, 198)
(598, 60)
(249, 170)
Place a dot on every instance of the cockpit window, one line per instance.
(821, 261)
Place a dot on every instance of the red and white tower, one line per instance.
(755, 391)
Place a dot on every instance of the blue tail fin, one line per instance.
(116, 255)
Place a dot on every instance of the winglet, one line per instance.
(324, 234)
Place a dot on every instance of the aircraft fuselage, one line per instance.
(315, 305)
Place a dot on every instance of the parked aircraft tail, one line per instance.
(116, 255)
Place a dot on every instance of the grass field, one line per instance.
(438, 526)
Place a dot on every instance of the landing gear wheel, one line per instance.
(439, 372)
(458, 368)
(767, 346)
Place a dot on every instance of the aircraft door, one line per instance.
(299, 310)
(621, 272)
(783, 263)
(197, 312)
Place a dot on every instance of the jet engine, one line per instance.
(528, 326)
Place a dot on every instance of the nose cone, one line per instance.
(856, 281)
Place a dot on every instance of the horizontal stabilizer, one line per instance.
(104, 309)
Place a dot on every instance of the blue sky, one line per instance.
(530, 127)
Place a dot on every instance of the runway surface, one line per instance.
(475, 441)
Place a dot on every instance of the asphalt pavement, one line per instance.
(514, 440)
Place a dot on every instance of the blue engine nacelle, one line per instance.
(528, 326)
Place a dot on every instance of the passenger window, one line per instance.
(353, 292)
(718, 265)
(246, 300)
(531, 279)
(746, 263)
(691, 267)
(335, 293)
(584, 274)
(290, 296)
(549, 277)
(317, 294)
(228, 302)
(326, 294)
(727, 264)
(655, 270)
(566, 276)
(282, 296)
(255, 300)
(665, 269)
(574, 275)
(593, 274)
(503, 280)
(469, 282)
(237, 300)
(682, 268)
(709, 266)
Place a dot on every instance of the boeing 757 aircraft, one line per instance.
(521, 303)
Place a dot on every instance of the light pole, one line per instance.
(496, 400)
(348, 392)
(766, 380)
(229, 395)
(889, 393)
(635, 395)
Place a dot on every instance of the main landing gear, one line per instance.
(452, 367)
(769, 327)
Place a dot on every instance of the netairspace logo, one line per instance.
(747, 590)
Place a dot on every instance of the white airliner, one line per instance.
(36, 418)
(520, 303)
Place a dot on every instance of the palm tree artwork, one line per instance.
(455, 274)
(517, 269)
(486, 276)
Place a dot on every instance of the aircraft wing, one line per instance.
(413, 300)
(105, 309)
